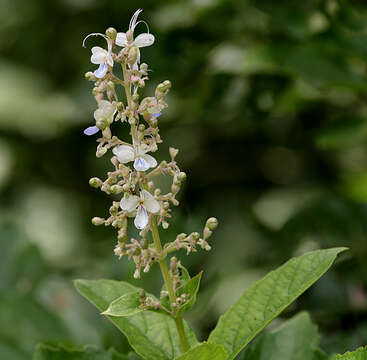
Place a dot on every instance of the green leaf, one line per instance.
(320, 355)
(152, 335)
(346, 132)
(125, 305)
(191, 288)
(296, 339)
(267, 298)
(359, 354)
(62, 352)
(24, 322)
(205, 351)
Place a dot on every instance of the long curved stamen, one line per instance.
(144, 22)
(94, 34)
(133, 19)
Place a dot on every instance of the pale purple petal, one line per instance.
(140, 164)
(142, 218)
(156, 115)
(91, 130)
(149, 160)
(101, 71)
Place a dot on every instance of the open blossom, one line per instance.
(145, 203)
(138, 154)
(102, 58)
(142, 40)
(103, 116)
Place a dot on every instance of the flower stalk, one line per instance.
(138, 196)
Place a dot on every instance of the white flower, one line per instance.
(101, 56)
(105, 111)
(127, 153)
(141, 40)
(145, 203)
(103, 116)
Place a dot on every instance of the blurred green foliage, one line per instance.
(268, 109)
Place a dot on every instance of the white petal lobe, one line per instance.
(151, 204)
(143, 40)
(98, 58)
(121, 39)
(142, 218)
(124, 153)
(150, 160)
(129, 203)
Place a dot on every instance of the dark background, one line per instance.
(268, 109)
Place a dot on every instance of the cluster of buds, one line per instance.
(134, 168)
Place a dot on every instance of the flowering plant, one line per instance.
(154, 326)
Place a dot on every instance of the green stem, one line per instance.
(168, 281)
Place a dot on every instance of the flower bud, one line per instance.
(181, 176)
(181, 236)
(116, 189)
(107, 133)
(132, 56)
(173, 264)
(195, 235)
(141, 127)
(110, 85)
(126, 188)
(211, 223)
(173, 152)
(165, 225)
(129, 35)
(95, 182)
(98, 221)
(142, 295)
(162, 89)
(101, 151)
(144, 67)
(120, 106)
(102, 124)
(111, 33)
(90, 76)
(175, 188)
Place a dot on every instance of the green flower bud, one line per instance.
(102, 124)
(181, 176)
(110, 85)
(141, 127)
(98, 221)
(90, 76)
(95, 182)
(116, 189)
(211, 223)
(111, 33)
(126, 188)
(120, 106)
(195, 235)
(132, 55)
(101, 151)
